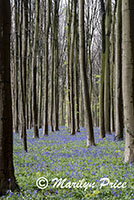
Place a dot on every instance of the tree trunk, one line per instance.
(101, 100)
(52, 81)
(7, 178)
(82, 107)
(45, 131)
(23, 71)
(112, 77)
(40, 93)
(68, 106)
(118, 88)
(85, 88)
(56, 66)
(128, 76)
(16, 120)
(72, 69)
(107, 68)
(34, 66)
(76, 83)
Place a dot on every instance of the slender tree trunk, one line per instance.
(23, 71)
(68, 16)
(20, 70)
(101, 100)
(89, 124)
(52, 82)
(76, 83)
(23, 57)
(112, 77)
(29, 90)
(45, 131)
(82, 107)
(16, 120)
(40, 93)
(62, 106)
(56, 66)
(118, 88)
(128, 76)
(107, 68)
(72, 69)
(34, 66)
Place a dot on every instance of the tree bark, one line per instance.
(72, 69)
(118, 88)
(34, 66)
(56, 66)
(45, 131)
(101, 100)
(85, 88)
(52, 82)
(107, 68)
(16, 119)
(128, 76)
(7, 178)
(76, 83)
(68, 106)
(112, 77)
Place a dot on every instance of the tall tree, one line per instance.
(101, 100)
(68, 106)
(23, 71)
(45, 131)
(107, 68)
(21, 89)
(112, 68)
(34, 66)
(72, 68)
(52, 81)
(16, 119)
(76, 80)
(7, 178)
(128, 76)
(56, 65)
(118, 87)
(85, 88)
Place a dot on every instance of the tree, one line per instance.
(101, 100)
(16, 119)
(7, 178)
(76, 80)
(68, 19)
(45, 131)
(128, 76)
(118, 88)
(107, 67)
(34, 66)
(23, 71)
(112, 68)
(56, 66)
(85, 88)
(52, 81)
(72, 68)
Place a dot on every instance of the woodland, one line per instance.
(66, 99)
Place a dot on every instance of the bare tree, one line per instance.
(128, 76)
(7, 178)
(89, 124)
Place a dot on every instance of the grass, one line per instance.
(63, 156)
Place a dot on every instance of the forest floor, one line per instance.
(79, 170)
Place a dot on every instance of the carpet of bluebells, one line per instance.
(63, 156)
